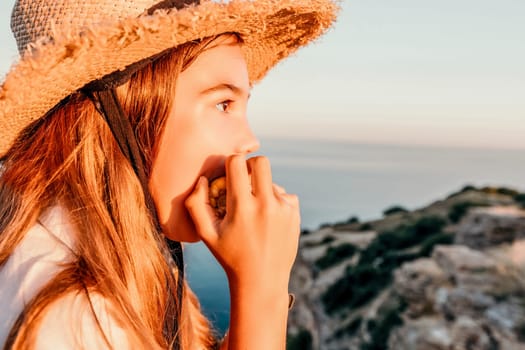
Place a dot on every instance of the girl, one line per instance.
(114, 121)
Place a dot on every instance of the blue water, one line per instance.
(336, 180)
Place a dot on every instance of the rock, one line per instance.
(421, 334)
(466, 296)
(301, 317)
(468, 334)
(517, 253)
(416, 282)
(504, 343)
(456, 302)
(454, 259)
(509, 317)
(471, 269)
(485, 227)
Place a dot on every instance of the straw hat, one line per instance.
(65, 44)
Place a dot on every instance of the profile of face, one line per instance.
(207, 124)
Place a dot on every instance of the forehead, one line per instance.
(221, 63)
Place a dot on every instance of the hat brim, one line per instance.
(271, 30)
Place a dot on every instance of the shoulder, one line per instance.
(41, 254)
(73, 321)
(76, 322)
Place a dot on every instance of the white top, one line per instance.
(69, 323)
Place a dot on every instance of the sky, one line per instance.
(406, 72)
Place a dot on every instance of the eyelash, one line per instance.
(224, 109)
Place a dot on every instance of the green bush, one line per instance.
(359, 285)
(380, 329)
(353, 220)
(520, 331)
(459, 210)
(429, 225)
(335, 255)
(428, 244)
(350, 328)
(374, 250)
(405, 236)
(385, 244)
(350, 221)
(507, 191)
(373, 271)
(466, 188)
(300, 341)
(520, 199)
(392, 260)
(500, 190)
(325, 225)
(327, 239)
(489, 190)
(394, 210)
(365, 227)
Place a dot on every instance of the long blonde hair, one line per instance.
(70, 158)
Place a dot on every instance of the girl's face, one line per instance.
(208, 123)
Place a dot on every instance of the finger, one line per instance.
(278, 189)
(200, 211)
(290, 199)
(261, 173)
(237, 180)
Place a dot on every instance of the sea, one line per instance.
(337, 180)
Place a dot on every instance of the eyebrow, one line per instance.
(225, 86)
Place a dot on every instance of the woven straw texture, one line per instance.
(66, 44)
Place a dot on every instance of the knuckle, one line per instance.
(189, 202)
(264, 204)
(292, 200)
(279, 189)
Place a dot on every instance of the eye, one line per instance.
(223, 106)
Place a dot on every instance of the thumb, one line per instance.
(198, 206)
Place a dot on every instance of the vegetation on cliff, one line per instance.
(373, 271)
(369, 282)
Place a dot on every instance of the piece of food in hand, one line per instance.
(217, 195)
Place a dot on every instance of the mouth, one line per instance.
(217, 191)
(215, 173)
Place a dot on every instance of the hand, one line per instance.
(256, 242)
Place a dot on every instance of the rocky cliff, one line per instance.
(447, 276)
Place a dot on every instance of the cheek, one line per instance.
(176, 167)
(172, 179)
(180, 160)
(224, 131)
(191, 146)
(181, 152)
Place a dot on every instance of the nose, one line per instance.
(248, 143)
